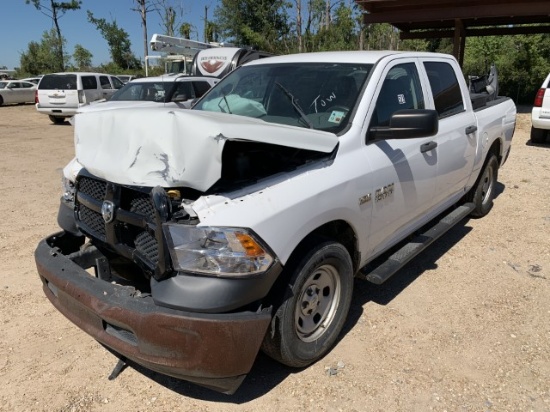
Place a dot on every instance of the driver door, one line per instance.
(403, 170)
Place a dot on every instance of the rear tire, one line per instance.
(1, 100)
(57, 120)
(483, 192)
(307, 323)
(538, 135)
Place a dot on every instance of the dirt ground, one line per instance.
(464, 327)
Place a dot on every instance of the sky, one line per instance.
(23, 23)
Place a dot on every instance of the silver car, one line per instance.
(16, 91)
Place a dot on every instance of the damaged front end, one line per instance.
(213, 350)
(137, 270)
(179, 305)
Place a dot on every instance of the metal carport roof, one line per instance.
(459, 19)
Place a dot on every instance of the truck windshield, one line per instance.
(313, 95)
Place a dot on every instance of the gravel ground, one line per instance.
(464, 327)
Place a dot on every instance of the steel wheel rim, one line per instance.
(317, 303)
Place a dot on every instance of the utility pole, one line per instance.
(206, 24)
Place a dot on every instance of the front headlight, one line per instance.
(216, 251)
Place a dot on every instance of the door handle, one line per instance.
(426, 147)
(471, 129)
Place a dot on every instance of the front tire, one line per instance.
(483, 192)
(538, 135)
(307, 324)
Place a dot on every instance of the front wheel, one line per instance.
(483, 192)
(307, 324)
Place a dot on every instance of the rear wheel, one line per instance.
(1, 100)
(57, 120)
(483, 192)
(538, 135)
(307, 324)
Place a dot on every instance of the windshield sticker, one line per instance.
(336, 116)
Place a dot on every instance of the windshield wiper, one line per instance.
(226, 103)
(295, 105)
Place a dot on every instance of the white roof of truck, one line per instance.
(367, 57)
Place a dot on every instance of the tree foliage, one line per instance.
(291, 26)
(55, 10)
(118, 41)
(253, 23)
(82, 58)
(522, 61)
(43, 57)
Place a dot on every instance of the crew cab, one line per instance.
(240, 224)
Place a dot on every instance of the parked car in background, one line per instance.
(540, 115)
(60, 95)
(173, 90)
(16, 91)
(35, 79)
(125, 78)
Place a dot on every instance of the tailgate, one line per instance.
(60, 97)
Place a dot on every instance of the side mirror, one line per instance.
(179, 98)
(408, 124)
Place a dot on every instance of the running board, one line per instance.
(402, 256)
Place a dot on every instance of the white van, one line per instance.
(59, 95)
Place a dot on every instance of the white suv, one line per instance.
(59, 95)
(540, 115)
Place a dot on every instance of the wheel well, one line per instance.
(495, 149)
(341, 232)
(337, 231)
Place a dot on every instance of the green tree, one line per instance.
(55, 10)
(341, 32)
(255, 23)
(82, 57)
(118, 41)
(185, 30)
(212, 32)
(43, 57)
(522, 61)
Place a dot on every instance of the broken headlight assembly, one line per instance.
(68, 189)
(216, 251)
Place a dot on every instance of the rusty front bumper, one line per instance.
(213, 350)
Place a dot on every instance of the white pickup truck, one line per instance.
(240, 224)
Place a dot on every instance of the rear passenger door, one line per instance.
(457, 136)
(27, 91)
(107, 89)
(90, 88)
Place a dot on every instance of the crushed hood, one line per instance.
(170, 148)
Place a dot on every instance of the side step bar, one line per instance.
(402, 256)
